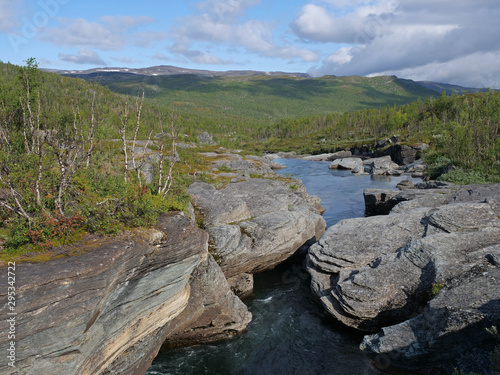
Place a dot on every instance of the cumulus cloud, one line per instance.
(84, 56)
(197, 56)
(220, 25)
(82, 33)
(111, 33)
(121, 23)
(448, 41)
(226, 10)
(320, 24)
(8, 19)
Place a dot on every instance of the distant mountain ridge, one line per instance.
(170, 70)
(166, 70)
(449, 88)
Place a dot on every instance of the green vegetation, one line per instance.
(71, 151)
(461, 130)
(436, 288)
(63, 169)
(242, 108)
(315, 115)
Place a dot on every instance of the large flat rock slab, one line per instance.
(257, 223)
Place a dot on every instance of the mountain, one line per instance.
(167, 70)
(252, 99)
(449, 88)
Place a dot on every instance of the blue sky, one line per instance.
(445, 41)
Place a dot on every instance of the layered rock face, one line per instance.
(383, 271)
(256, 224)
(109, 306)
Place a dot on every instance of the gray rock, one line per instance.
(379, 272)
(256, 224)
(213, 312)
(382, 166)
(206, 138)
(281, 155)
(249, 165)
(242, 284)
(214, 207)
(452, 324)
(320, 157)
(186, 145)
(340, 155)
(262, 243)
(346, 163)
(360, 170)
(427, 194)
(405, 184)
(399, 284)
(416, 166)
(355, 243)
(104, 307)
(402, 154)
(329, 156)
(380, 201)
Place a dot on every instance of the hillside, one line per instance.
(161, 70)
(256, 100)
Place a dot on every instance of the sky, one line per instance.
(452, 41)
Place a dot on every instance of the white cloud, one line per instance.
(350, 25)
(82, 33)
(450, 41)
(224, 10)
(121, 23)
(111, 33)
(197, 56)
(8, 20)
(220, 26)
(84, 56)
(476, 70)
(341, 56)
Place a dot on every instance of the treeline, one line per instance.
(462, 128)
(72, 156)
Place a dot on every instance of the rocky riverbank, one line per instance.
(424, 278)
(387, 157)
(107, 305)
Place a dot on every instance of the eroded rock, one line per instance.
(346, 163)
(377, 278)
(106, 307)
(454, 322)
(281, 218)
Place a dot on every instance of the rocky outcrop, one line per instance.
(243, 166)
(403, 154)
(382, 271)
(257, 223)
(206, 138)
(382, 166)
(346, 163)
(452, 323)
(212, 314)
(105, 305)
(427, 194)
(329, 156)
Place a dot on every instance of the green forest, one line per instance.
(72, 152)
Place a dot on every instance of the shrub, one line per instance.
(438, 167)
(462, 177)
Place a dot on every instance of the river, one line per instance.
(290, 333)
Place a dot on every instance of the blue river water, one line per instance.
(290, 333)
